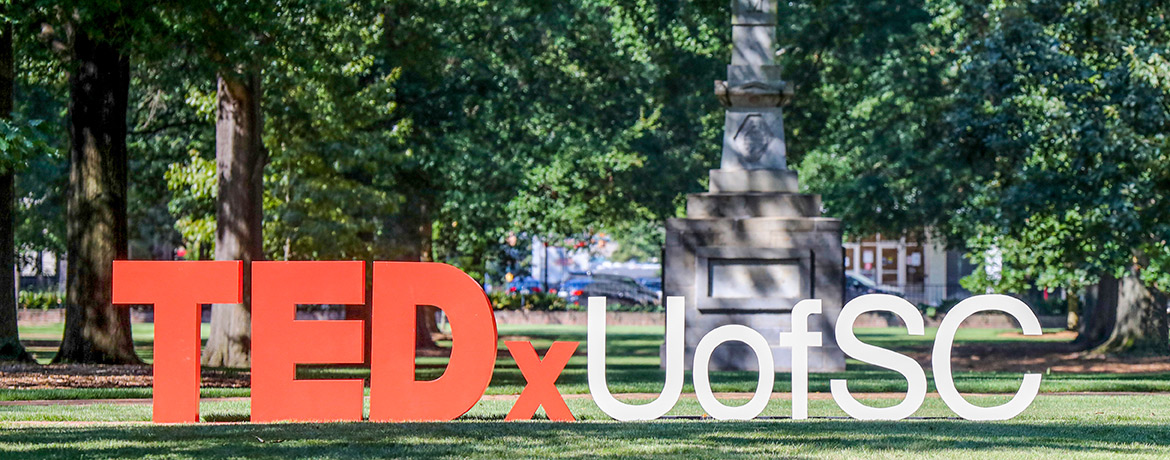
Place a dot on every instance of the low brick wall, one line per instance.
(983, 320)
(57, 315)
(613, 318)
(26, 316)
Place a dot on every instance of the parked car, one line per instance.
(525, 285)
(622, 290)
(857, 285)
(573, 285)
(653, 284)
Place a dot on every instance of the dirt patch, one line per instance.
(26, 376)
(1062, 335)
(1061, 357)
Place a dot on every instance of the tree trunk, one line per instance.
(1139, 323)
(1097, 323)
(96, 331)
(10, 346)
(239, 213)
(427, 326)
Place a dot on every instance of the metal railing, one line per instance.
(927, 294)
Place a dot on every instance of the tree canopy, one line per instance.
(432, 129)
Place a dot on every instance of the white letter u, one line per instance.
(674, 365)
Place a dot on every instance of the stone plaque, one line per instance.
(751, 279)
(748, 278)
(754, 139)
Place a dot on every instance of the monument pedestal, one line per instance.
(754, 246)
(748, 257)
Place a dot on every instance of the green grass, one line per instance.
(1053, 427)
(633, 367)
(143, 334)
(1056, 426)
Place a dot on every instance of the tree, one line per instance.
(96, 331)
(1029, 129)
(327, 138)
(550, 129)
(10, 346)
(240, 159)
(1071, 101)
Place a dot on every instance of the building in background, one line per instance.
(923, 271)
(40, 271)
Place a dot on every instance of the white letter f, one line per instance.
(800, 339)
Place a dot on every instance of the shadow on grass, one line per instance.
(591, 439)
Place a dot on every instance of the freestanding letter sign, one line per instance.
(595, 364)
(280, 341)
(941, 357)
(766, 372)
(542, 378)
(878, 356)
(800, 339)
(401, 287)
(177, 290)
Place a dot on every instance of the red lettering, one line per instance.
(280, 342)
(401, 287)
(177, 290)
(542, 377)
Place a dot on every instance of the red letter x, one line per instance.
(542, 376)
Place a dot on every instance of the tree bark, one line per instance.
(239, 213)
(427, 325)
(1139, 323)
(1098, 321)
(10, 347)
(96, 331)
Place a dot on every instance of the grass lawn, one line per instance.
(1053, 427)
(1058, 426)
(633, 366)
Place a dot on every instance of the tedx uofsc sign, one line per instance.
(280, 342)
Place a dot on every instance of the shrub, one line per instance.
(42, 300)
(538, 302)
(1054, 306)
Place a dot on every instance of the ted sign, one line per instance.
(280, 342)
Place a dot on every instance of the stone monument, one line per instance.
(754, 246)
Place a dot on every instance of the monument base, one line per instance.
(748, 258)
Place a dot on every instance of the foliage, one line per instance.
(572, 120)
(371, 110)
(1077, 121)
(171, 128)
(19, 142)
(330, 142)
(39, 120)
(639, 240)
(1034, 131)
(537, 301)
(40, 300)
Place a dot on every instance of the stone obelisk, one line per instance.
(754, 246)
